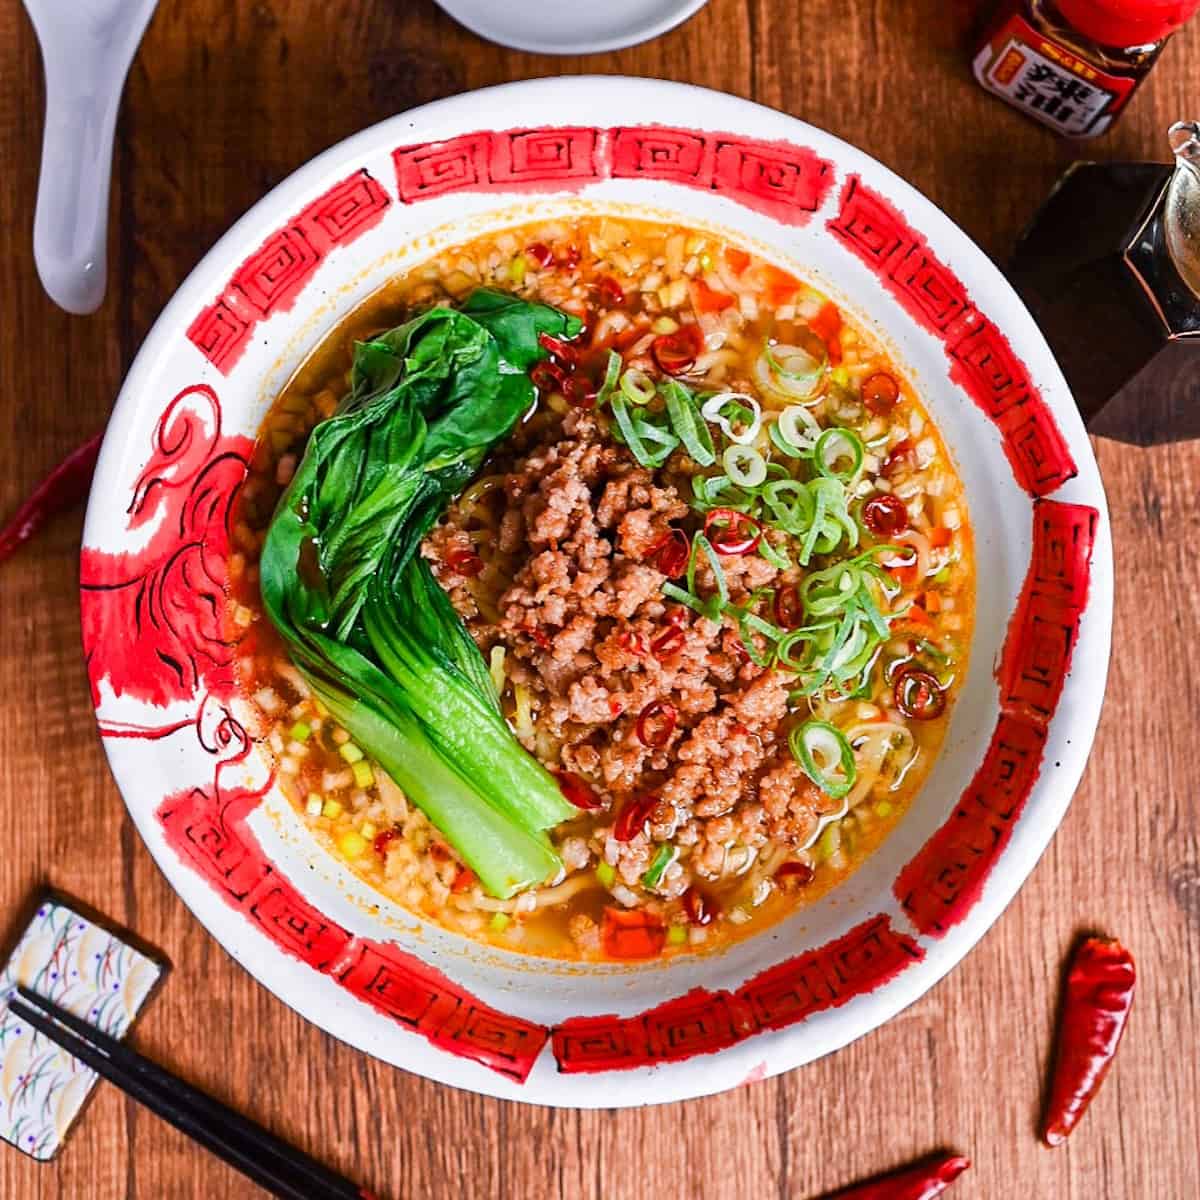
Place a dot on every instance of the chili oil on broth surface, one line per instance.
(579, 572)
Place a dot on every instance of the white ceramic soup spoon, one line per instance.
(87, 46)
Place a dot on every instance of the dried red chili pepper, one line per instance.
(465, 562)
(610, 291)
(464, 881)
(918, 694)
(923, 1181)
(676, 353)
(880, 393)
(901, 452)
(732, 532)
(668, 643)
(885, 515)
(633, 817)
(65, 487)
(793, 874)
(632, 933)
(559, 349)
(634, 643)
(577, 393)
(577, 790)
(700, 909)
(439, 852)
(670, 553)
(677, 615)
(1095, 1010)
(384, 838)
(547, 376)
(789, 611)
(656, 723)
(540, 253)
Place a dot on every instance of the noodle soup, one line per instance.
(720, 576)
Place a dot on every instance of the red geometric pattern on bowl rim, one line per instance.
(151, 633)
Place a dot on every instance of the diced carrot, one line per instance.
(738, 260)
(632, 934)
(780, 286)
(706, 300)
(916, 615)
(933, 602)
(827, 325)
(940, 536)
(903, 573)
(464, 881)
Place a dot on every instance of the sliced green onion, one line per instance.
(612, 373)
(799, 428)
(517, 268)
(688, 423)
(701, 544)
(636, 434)
(350, 752)
(676, 935)
(773, 554)
(745, 466)
(835, 444)
(499, 922)
(792, 370)
(606, 874)
(674, 592)
(714, 409)
(663, 858)
(637, 387)
(301, 731)
(364, 776)
(825, 757)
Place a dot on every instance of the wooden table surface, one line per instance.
(225, 99)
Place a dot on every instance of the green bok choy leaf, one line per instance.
(364, 619)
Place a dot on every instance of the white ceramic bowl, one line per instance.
(410, 993)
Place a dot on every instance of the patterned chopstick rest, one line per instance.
(86, 968)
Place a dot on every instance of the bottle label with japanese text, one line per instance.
(1049, 82)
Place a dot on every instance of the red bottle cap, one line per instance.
(1127, 22)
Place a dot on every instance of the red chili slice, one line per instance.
(656, 723)
(547, 376)
(919, 695)
(794, 875)
(634, 643)
(700, 909)
(633, 817)
(610, 291)
(384, 838)
(558, 348)
(667, 643)
(789, 611)
(577, 393)
(540, 253)
(569, 258)
(732, 532)
(885, 515)
(578, 791)
(880, 393)
(670, 553)
(632, 933)
(465, 562)
(464, 881)
(676, 353)
(901, 452)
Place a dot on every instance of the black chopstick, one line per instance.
(272, 1163)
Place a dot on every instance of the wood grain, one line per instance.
(224, 100)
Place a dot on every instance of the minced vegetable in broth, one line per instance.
(677, 724)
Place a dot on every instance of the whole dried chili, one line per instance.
(920, 1182)
(1095, 1009)
(65, 487)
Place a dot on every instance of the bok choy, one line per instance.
(364, 619)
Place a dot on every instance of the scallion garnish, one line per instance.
(701, 544)
(833, 446)
(745, 466)
(825, 757)
(637, 387)
(663, 858)
(688, 423)
(612, 374)
(726, 407)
